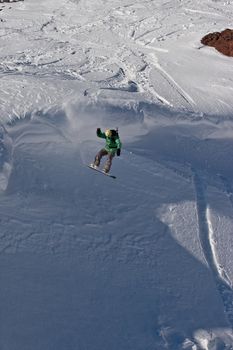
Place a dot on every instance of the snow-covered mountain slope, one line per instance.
(143, 261)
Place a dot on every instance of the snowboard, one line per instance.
(102, 172)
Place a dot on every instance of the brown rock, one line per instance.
(222, 41)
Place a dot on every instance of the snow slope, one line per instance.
(143, 261)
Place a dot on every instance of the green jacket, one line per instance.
(112, 143)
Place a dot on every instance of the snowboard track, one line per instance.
(209, 248)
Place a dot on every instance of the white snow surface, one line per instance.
(143, 262)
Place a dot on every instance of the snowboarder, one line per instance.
(112, 147)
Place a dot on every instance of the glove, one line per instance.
(118, 152)
(98, 131)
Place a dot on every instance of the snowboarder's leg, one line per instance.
(99, 155)
(108, 162)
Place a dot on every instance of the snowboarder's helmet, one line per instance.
(108, 133)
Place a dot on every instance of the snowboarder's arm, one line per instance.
(101, 134)
(118, 142)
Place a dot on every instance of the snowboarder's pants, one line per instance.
(103, 152)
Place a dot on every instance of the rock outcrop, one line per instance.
(222, 41)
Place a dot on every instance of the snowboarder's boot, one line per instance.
(93, 165)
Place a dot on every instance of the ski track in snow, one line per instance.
(210, 249)
(150, 79)
(206, 234)
(31, 64)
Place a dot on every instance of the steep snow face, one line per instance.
(125, 263)
(143, 261)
